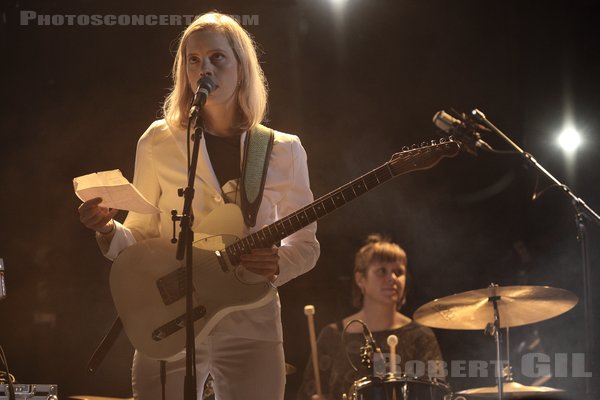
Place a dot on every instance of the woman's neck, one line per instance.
(220, 120)
(378, 317)
(381, 317)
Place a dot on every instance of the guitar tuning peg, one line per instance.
(405, 148)
(433, 142)
(424, 144)
(414, 146)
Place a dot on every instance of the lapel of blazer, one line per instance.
(242, 144)
(204, 171)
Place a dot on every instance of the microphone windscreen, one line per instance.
(206, 83)
(445, 121)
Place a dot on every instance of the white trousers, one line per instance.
(242, 369)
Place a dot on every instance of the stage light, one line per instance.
(339, 8)
(569, 139)
(339, 3)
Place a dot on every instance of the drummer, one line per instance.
(378, 291)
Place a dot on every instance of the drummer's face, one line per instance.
(384, 282)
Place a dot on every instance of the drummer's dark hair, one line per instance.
(376, 249)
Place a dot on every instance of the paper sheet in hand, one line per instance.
(115, 191)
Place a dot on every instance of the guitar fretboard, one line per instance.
(410, 160)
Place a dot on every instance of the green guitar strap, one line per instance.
(257, 151)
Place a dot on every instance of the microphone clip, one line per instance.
(463, 128)
(366, 355)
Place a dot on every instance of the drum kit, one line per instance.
(490, 309)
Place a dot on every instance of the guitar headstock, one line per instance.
(424, 156)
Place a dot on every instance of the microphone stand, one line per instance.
(583, 213)
(184, 249)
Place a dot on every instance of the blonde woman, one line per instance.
(244, 352)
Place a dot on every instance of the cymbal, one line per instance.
(88, 397)
(517, 305)
(512, 390)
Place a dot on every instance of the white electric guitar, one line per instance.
(148, 283)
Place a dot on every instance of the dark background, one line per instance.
(356, 86)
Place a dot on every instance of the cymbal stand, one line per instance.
(508, 369)
(494, 330)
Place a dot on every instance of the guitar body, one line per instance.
(148, 286)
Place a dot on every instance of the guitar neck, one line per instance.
(406, 161)
(271, 234)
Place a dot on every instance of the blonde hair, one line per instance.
(252, 90)
(375, 249)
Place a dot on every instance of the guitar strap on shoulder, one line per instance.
(257, 151)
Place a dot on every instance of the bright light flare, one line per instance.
(339, 3)
(569, 139)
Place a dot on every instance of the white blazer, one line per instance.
(160, 169)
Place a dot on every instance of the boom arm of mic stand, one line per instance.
(590, 214)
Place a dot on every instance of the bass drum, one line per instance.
(399, 388)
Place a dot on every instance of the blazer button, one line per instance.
(218, 198)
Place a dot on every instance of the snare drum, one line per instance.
(399, 388)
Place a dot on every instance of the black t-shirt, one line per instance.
(224, 155)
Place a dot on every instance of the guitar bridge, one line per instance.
(177, 324)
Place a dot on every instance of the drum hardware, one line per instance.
(371, 356)
(493, 329)
(366, 354)
(513, 390)
(392, 387)
(518, 305)
(510, 388)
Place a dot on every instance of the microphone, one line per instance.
(378, 358)
(465, 131)
(204, 87)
